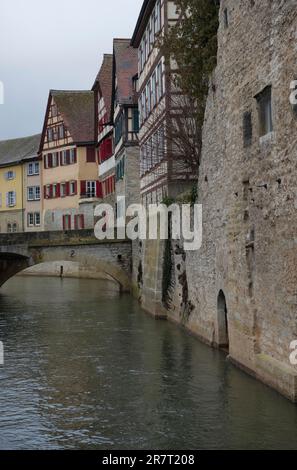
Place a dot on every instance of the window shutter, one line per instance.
(7, 200)
(44, 192)
(61, 158)
(91, 157)
(58, 190)
(75, 187)
(67, 187)
(83, 187)
(75, 156)
(82, 221)
(76, 222)
(51, 191)
(98, 189)
(64, 222)
(68, 157)
(109, 147)
(14, 198)
(50, 160)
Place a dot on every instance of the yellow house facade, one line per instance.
(12, 183)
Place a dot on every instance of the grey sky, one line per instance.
(57, 44)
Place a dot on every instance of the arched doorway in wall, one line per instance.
(223, 332)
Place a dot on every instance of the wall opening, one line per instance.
(223, 332)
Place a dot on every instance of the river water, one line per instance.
(86, 368)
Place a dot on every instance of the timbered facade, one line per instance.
(160, 171)
(105, 148)
(71, 187)
(126, 124)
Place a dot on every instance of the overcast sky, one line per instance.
(57, 44)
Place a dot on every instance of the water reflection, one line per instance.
(86, 368)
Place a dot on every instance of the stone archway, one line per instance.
(14, 264)
(223, 327)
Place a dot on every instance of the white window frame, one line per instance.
(37, 215)
(11, 199)
(30, 216)
(91, 189)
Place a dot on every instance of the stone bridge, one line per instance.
(19, 251)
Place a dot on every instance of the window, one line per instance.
(135, 120)
(159, 84)
(11, 199)
(91, 188)
(265, 111)
(72, 157)
(64, 157)
(118, 130)
(63, 190)
(30, 171)
(54, 190)
(33, 169)
(154, 89)
(14, 227)
(72, 187)
(61, 131)
(67, 222)
(10, 175)
(37, 219)
(55, 159)
(33, 193)
(30, 219)
(9, 228)
(50, 134)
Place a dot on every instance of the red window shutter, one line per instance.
(64, 222)
(83, 188)
(51, 191)
(98, 189)
(44, 192)
(58, 190)
(67, 188)
(109, 148)
(91, 157)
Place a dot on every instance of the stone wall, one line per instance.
(239, 290)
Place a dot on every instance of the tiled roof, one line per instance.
(78, 111)
(104, 81)
(15, 150)
(126, 67)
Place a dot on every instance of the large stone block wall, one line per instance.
(248, 193)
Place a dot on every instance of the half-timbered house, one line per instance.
(71, 188)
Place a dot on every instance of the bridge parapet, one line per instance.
(20, 250)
